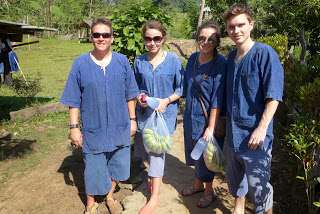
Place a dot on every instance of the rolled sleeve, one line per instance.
(273, 76)
(132, 89)
(71, 95)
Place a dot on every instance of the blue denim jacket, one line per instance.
(256, 77)
(211, 91)
(165, 80)
(102, 100)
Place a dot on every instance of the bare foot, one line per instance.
(150, 207)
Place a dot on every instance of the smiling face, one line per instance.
(207, 47)
(239, 28)
(101, 44)
(155, 45)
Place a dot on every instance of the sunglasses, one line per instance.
(203, 39)
(104, 35)
(156, 39)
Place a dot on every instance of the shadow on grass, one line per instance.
(14, 147)
(15, 103)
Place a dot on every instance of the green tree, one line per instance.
(127, 26)
(290, 16)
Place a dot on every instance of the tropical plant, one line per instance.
(278, 43)
(127, 26)
(303, 143)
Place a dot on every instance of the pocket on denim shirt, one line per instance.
(122, 135)
(92, 137)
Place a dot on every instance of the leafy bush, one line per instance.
(302, 86)
(127, 26)
(28, 89)
(278, 43)
(303, 143)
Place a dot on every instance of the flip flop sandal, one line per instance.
(204, 202)
(92, 210)
(114, 206)
(190, 191)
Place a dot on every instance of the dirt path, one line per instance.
(56, 186)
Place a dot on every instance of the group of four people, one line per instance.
(248, 86)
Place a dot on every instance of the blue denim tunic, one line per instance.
(256, 77)
(102, 100)
(165, 80)
(211, 91)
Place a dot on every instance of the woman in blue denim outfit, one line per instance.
(205, 75)
(158, 74)
(102, 86)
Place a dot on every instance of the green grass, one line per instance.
(52, 60)
(37, 142)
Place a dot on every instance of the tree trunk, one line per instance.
(303, 44)
(203, 2)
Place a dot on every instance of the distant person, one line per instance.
(254, 88)
(204, 92)
(102, 86)
(159, 74)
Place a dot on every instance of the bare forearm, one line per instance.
(74, 115)
(173, 97)
(213, 119)
(259, 134)
(269, 111)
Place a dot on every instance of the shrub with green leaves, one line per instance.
(278, 43)
(302, 86)
(303, 143)
(127, 26)
(27, 89)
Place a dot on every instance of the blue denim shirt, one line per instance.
(211, 91)
(256, 77)
(102, 100)
(165, 80)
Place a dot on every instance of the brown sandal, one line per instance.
(204, 202)
(190, 191)
(92, 210)
(114, 206)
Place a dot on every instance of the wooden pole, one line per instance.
(203, 2)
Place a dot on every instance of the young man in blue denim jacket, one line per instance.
(254, 87)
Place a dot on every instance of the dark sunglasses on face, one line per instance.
(203, 39)
(104, 35)
(156, 39)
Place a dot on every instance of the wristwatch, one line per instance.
(133, 118)
(74, 126)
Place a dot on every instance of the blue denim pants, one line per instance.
(250, 170)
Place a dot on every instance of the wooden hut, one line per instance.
(84, 30)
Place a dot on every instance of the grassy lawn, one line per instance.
(51, 59)
(32, 141)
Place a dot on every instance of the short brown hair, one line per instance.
(237, 9)
(153, 24)
(103, 21)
